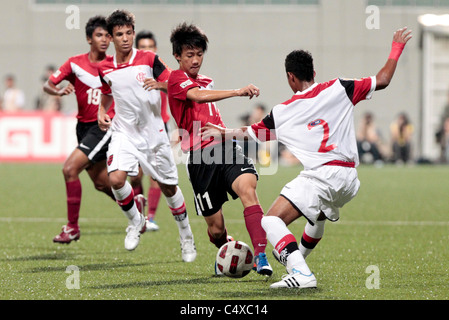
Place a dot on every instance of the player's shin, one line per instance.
(285, 245)
(310, 237)
(74, 191)
(253, 216)
(178, 209)
(125, 199)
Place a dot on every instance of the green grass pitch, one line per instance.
(398, 226)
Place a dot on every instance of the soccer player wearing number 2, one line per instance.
(317, 126)
(90, 155)
(132, 78)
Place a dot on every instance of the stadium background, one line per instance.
(249, 40)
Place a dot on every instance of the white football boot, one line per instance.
(133, 234)
(296, 279)
(151, 226)
(188, 249)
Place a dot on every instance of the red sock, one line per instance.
(154, 194)
(73, 191)
(138, 189)
(220, 241)
(253, 217)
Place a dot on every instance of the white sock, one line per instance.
(285, 243)
(125, 197)
(311, 236)
(178, 209)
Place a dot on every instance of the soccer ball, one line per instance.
(235, 259)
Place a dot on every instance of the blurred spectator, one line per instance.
(13, 98)
(442, 135)
(443, 140)
(45, 101)
(401, 136)
(369, 142)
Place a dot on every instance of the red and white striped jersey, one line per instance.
(190, 115)
(138, 111)
(83, 75)
(317, 124)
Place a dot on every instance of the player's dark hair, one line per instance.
(94, 23)
(188, 36)
(120, 18)
(145, 34)
(300, 63)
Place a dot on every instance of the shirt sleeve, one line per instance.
(63, 73)
(264, 130)
(105, 88)
(359, 89)
(161, 71)
(178, 85)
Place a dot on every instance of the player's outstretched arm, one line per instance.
(104, 120)
(52, 89)
(400, 39)
(211, 130)
(206, 96)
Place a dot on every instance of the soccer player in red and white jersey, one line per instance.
(215, 169)
(90, 155)
(132, 78)
(317, 126)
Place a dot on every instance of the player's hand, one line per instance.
(104, 120)
(211, 130)
(402, 35)
(249, 91)
(66, 90)
(151, 84)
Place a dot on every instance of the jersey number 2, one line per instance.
(323, 147)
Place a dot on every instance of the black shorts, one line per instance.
(92, 141)
(212, 172)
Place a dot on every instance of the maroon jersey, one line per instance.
(83, 75)
(189, 115)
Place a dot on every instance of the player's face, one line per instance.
(190, 61)
(147, 45)
(123, 38)
(100, 40)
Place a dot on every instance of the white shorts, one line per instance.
(157, 162)
(325, 189)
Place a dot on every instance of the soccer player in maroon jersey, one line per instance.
(317, 126)
(215, 169)
(90, 155)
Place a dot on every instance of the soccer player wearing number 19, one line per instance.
(90, 155)
(317, 126)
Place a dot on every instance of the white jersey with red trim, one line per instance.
(138, 111)
(317, 124)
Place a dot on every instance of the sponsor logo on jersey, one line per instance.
(314, 123)
(57, 74)
(186, 83)
(141, 76)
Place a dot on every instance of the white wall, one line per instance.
(248, 44)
